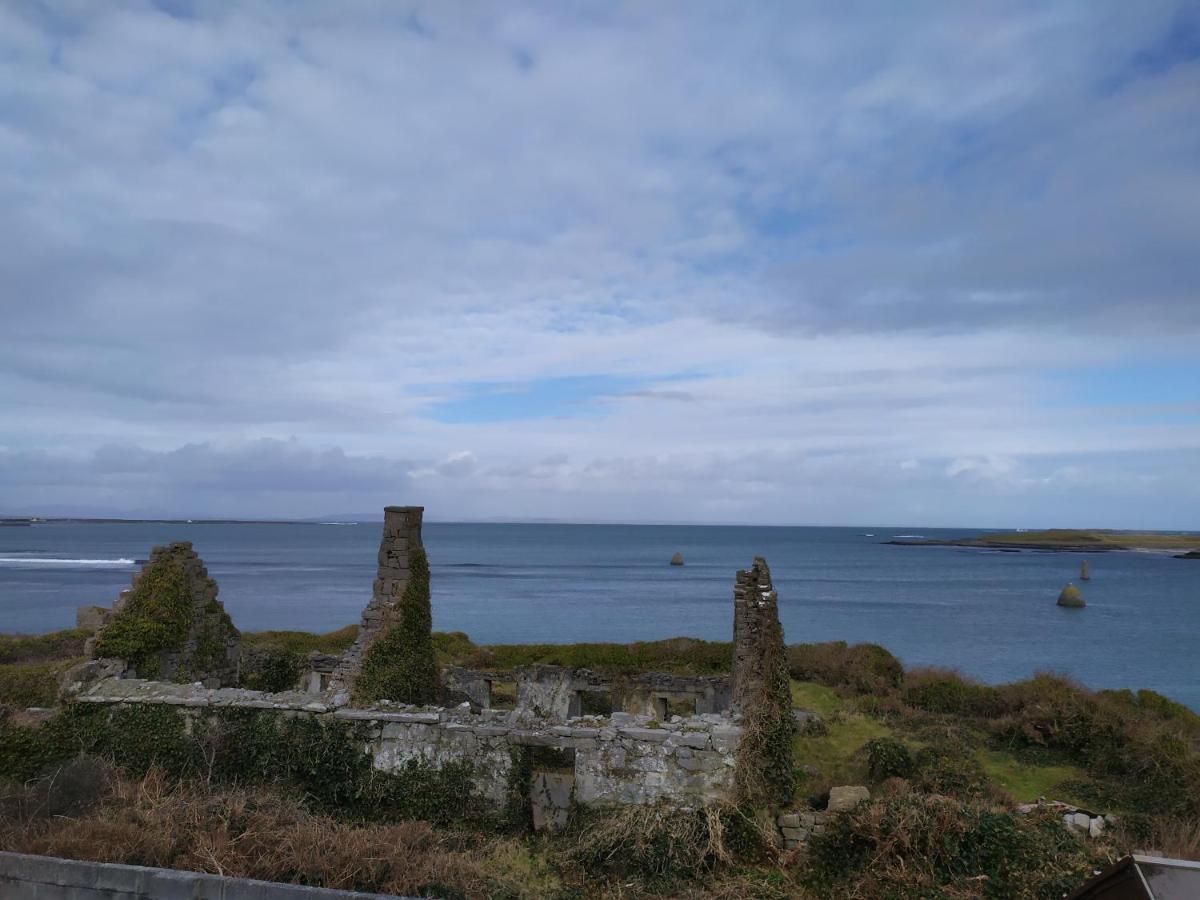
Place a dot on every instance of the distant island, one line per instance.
(1069, 540)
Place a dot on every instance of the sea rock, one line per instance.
(677, 559)
(847, 797)
(1191, 554)
(1085, 573)
(1071, 596)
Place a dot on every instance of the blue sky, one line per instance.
(880, 263)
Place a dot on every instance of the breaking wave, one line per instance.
(61, 563)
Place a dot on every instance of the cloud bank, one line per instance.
(907, 264)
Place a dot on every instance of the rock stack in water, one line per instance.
(1071, 596)
(169, 625)
(677, 559)
(1085, 573)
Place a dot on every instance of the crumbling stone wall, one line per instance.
(560, 692)
(762, 700)
(460, 685)
(755, 613)
(553, 692)
(169, 624)
(614, 760)
(662, 695)
(401, 535)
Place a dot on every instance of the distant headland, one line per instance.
(1069, 540)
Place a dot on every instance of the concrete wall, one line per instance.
(25, 877)
(617, 759)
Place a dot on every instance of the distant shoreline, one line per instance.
(1069, 541)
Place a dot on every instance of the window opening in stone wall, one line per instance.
(503, 694)
(595, 703)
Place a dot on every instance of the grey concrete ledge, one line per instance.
(25, 877)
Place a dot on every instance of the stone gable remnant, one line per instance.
(169, 625)
(392, 658)
(755, 612)
(765, 774)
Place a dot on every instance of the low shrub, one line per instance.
(32, 684)
(269, 668)
(888, 758)
(945, 692)
(680, 656)
(1140, 754)
(303, 642)
(252, 833)
(659, 844)
(323, 759)
(917, 845)
(71, 788)
(32, 648)
(949, 769)
(864, 668)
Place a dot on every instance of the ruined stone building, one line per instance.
(650, 737)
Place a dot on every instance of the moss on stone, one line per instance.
(400, 665)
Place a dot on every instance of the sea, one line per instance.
(990, 615)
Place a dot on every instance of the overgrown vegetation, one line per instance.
(301, 643)
(400, 665)
(945, 758)
(322, 759)
(32, 684)
(765, 774)
(155, 619)
(912, 844)
(679, 656)
(86, 810)
(34, 648)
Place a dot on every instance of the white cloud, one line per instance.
(837, 253)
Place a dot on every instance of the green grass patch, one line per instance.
(303, 642)
(679, 656)
(19, 648)
(836, 753)
(818, 698)
(1026, 781)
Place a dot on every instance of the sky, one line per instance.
(778, 263)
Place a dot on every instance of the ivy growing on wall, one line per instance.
(765, 772)
(325, 760)
(155, 619)
(400, 665)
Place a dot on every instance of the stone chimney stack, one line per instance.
(755, 610)
(401, 535)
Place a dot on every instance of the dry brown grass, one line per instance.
(259, 834)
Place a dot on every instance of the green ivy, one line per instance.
(400, 665)
(154, 620)
(765, 772)
(325, 760)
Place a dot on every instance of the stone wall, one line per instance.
(26, 877)
(560, 692)
(401, 535)
(755, 609)
(617, 759)
(210, 650)
(461, 685)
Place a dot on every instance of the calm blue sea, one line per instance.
(990, 615)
